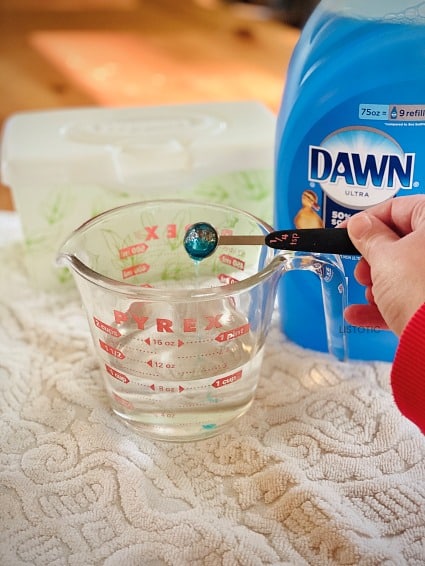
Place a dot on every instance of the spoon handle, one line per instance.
(317, 240)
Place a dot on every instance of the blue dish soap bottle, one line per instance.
(350, 134)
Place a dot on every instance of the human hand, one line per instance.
(391, 238)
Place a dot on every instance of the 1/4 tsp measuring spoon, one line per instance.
(201, 240)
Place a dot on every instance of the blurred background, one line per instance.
(73, 53)
(291, 12)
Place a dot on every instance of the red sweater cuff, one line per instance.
(408, 371)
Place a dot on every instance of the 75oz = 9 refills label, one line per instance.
(393, 112)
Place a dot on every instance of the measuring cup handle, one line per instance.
(334, 292)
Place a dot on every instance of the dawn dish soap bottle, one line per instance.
(350, 134)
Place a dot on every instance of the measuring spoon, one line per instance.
(201, 240)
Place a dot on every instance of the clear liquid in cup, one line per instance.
(179, 385)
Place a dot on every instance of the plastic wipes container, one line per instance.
(66, 166)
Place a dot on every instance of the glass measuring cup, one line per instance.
(180, 343)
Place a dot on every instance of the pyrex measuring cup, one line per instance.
(180, 343)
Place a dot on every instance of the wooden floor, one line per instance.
(68, 53)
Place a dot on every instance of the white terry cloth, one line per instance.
(322, 470)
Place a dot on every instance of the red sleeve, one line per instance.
(408, 371)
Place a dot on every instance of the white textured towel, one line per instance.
(323, 469)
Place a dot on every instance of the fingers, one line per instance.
(390, 238)
(401, 215)
(370, 235)
(362, 272)
(367, 316)
(369, 296)
(404, 216)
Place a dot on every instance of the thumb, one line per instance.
(370, 235)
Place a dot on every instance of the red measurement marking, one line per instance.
(164, 343)
(232, 261)
(122, 401)
(135, 270)
(223, 278)
(117, 374)
(160, 365)
(113, 351)
(166, 389)
(106, 328)
(231, 334)
(132, 250)
(229, 379)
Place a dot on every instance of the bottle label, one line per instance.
(360, 167)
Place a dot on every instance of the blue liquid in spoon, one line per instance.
(200, 240)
